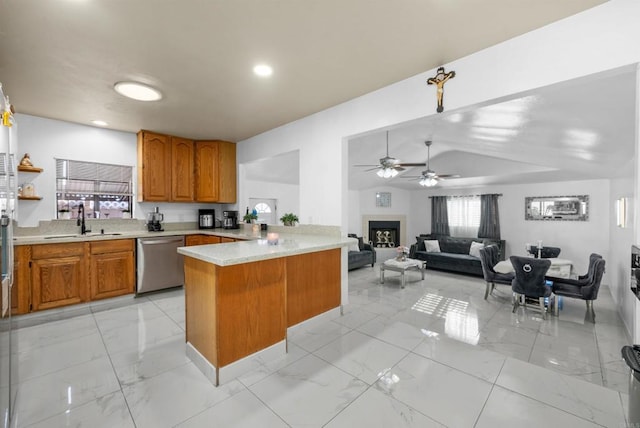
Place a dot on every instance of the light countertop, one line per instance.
(259, 249)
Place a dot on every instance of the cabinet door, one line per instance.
(57, 282)
(206, 171)
(154, 167)
(21, 290)
(112, 274)
(182, 169)
(201, 240)
(227, 172)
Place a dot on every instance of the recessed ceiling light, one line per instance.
(263, 70)
(99, 123)
(137, 91)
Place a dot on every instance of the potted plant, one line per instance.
(250, 217)
(289, 219)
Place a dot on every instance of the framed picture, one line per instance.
(383, 199)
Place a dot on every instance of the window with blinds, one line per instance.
(464, 215)
(106, 190)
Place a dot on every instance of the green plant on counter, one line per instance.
(289, 219)
(250, 216)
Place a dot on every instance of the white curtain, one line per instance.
(464, 216)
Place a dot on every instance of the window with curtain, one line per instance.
(464, 215)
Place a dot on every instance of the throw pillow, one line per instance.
(420, 241)
(360, 243)
(354, 247)
(475, 249)
(432, 246)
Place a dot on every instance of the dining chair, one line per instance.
(586, 287)
(488, 259)
(529, 281)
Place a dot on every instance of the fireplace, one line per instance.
(384, 234)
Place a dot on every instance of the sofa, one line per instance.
(365, 255)
(454, 253)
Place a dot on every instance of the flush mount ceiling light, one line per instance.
(137, 91)
(100, 123)
(263, 70)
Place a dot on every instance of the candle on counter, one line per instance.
(272, 238)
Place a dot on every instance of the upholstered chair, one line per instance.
(530, 281)
(586, 287)
(488, 259)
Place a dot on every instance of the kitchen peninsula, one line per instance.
(241, 297)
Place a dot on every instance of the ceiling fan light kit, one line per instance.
(387, 172)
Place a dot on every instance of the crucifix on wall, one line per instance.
(439, 80)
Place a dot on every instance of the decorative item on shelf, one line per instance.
(402, 253)
(289, 219)
(28, 191)
(26, 160)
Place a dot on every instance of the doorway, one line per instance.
(266, 208)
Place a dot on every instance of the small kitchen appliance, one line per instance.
(206, 219)
(230, 219)
(154, 221)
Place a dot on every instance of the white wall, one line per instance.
(287, 196)
(46, 139)
(618, 265)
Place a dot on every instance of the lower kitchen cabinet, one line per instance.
(202, 240)
(48, 276)
(112, 269)
(58, 275)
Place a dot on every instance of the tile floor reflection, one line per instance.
(434, 354)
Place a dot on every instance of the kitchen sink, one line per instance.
(87, 235)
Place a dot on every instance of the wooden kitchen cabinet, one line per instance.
(182, 170)
(21, 291)
(58, 275)
(112, 269)
(201, 240)
(215, 165)
(154, 167)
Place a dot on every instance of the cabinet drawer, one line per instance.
(114, 246)
(48, 251)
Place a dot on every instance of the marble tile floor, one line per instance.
(434, 354)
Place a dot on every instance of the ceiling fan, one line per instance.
(429, 178)
(389, 167)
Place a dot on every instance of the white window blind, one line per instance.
(464, 215)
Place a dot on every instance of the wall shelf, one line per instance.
(23, 168)
(30, 198)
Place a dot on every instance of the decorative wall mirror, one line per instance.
(572, 208)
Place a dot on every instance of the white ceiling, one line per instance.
(60, 58)
(576, 130)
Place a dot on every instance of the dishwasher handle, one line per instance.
(159, 241)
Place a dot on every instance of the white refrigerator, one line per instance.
(8, 196)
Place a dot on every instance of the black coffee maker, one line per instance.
(230, 219)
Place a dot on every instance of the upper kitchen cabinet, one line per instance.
(174, 169)
(154, 167)
(182, 169)
(215, 171)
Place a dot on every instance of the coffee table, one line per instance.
(401, 266)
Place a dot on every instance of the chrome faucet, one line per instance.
(80, 221)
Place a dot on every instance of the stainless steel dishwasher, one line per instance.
(159, 265)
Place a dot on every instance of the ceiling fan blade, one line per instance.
(372, 169)
(448, 176)
(365, 165)
(411, 164)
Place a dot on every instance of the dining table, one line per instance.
(560, 268)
